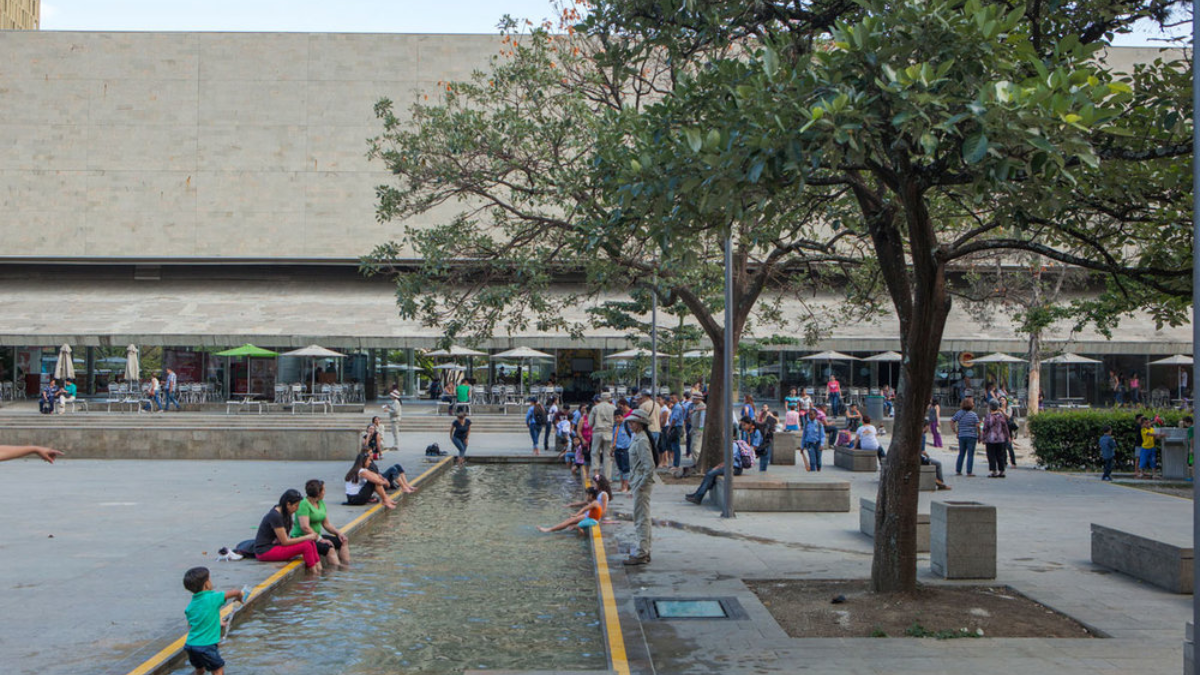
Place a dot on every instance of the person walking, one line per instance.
(814, 436)
(676, 423)
(171, 391)
(641, 469)
(966, 427)
(835, 395)
(1108, 451)
(934, 416)
(602, 419)
(996, 437)
(154, 392)
(460, 434)
(766, 425)
(394, 412)
(536, 419)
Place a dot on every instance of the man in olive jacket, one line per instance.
(641, 480)
(602, 421)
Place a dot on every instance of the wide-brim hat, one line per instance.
(640, 416)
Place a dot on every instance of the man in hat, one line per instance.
(653, 410)
(602, 419)
(697, 417)
(641, 479)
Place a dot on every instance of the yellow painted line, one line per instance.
(168, 652)
(608, 601)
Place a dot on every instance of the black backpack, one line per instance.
(433, 451)
(539, 415)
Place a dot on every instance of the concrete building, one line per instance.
(194, 191)
(20, 14)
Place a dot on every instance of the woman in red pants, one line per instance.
(273, 543)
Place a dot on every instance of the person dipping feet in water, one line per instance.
(362, 482)
(588, 516)
(274, 544)
(312, 517)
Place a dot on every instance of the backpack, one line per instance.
(539, 415)
(245, 548)
(433, 451)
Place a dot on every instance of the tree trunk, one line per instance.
(712, 451)
(894, 567)
(1035, 373)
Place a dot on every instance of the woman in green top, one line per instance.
(311, 517)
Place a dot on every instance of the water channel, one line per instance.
(457, 578)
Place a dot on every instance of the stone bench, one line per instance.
(866, 523)
(1165, 564)
(962, 540)
(855, 460)
(783, 452)
(751, 493)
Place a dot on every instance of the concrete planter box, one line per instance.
(786, 445)
(866, 523)
(751, 493)
(962, 540)
(928, 478)
(1165, 564)
(855, 460)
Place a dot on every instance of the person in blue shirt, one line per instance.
(622, 439)
(675, 429)
(1108, 451)
(814, 436)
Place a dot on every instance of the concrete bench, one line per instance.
(962, 540)
(1165, 564)
(751, 493)
(866, 523)
(855, 460)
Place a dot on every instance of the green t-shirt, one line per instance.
(71, 389)
(316, 516)
(204, 618)
(464, 393)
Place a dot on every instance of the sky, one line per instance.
(322, 16)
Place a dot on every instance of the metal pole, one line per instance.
(1195, 294)
(654, 339)
(727, 393)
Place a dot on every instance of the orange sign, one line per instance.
(966, 359)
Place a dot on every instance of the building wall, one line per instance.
(20, 14)
(204, 145)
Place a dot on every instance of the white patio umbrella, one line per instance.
(633, 354)
(314, 352)
(450, 366)
(998, 357)
(64, 368)
(886, 357)
(1176, 360)
(521, 355)
(830, 357)
(1069, 359)
(133, 366)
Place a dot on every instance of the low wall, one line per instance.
(768, 494)
(127, 442)
(1166, 564)
(866, 523)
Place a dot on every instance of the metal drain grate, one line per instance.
(670, 609)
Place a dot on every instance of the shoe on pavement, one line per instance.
(634, 560)
(692, 498)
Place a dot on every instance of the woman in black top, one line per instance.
(460, 434)
(273, 543)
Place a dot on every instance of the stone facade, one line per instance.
(205, 145)
(20, 14)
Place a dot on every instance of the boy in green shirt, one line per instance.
(204, 621)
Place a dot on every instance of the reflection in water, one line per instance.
(457, 578)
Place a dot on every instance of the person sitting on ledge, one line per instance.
(586, 517)
(710, 478)
(362, 482)
(926, 459)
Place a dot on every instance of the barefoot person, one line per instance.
(8, 452)
(312, 517)
(588, 516)
(362, 483)
(274, 544)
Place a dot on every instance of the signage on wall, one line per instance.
(966, 359)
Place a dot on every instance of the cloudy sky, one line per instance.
(335, 16)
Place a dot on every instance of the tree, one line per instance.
(527, 165)
(958, 129)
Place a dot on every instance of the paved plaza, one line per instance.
(96, 550)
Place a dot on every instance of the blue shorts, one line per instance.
(1146, 458)
(207, 657)
(588, 522)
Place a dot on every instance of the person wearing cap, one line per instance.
(641, 480)
(648, 405)
(602, 419)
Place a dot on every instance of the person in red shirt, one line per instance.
(835, 395)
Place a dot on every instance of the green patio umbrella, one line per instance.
(249, 351)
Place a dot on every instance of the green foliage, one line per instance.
(1069, 440)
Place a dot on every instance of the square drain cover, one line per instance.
(657, 609)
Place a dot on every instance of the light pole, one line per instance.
(1195, 294)
(654, 338)
(727, 392)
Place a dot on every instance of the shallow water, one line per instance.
(458, 577)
